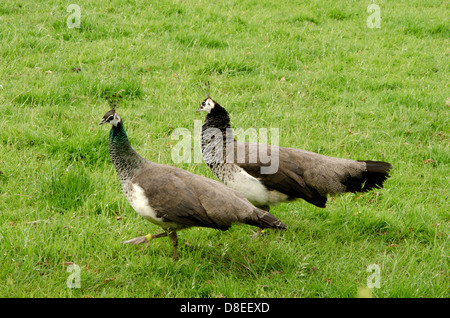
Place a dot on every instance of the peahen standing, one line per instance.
(297, 173)
(174, 198)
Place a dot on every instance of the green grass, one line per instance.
(312, 69)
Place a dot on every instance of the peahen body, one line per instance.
(298, 173)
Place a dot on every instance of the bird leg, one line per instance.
(174, 238)
(144, 239)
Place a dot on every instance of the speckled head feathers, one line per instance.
(111, 117)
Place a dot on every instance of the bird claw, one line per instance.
(257, 233)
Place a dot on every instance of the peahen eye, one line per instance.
(203, 103)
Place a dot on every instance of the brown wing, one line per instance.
(307, 175)
(186, 198)
(287, 178)
(173, 199)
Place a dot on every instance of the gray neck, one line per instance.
(126, 161)
(218, 152)
(215, 142)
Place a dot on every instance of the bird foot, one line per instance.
(145, 239)
(137, 240)
(257, 233)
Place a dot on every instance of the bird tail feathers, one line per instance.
(374, 176)
(266, 220)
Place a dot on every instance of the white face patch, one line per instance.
(207, 105)
(111, 119)
(115, 120)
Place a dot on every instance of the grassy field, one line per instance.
(312, 69)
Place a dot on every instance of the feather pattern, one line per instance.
(174, 198)
(300, 173)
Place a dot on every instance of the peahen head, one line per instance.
(207, 105)
(112, 118)
(117, 133)
(213, 109)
